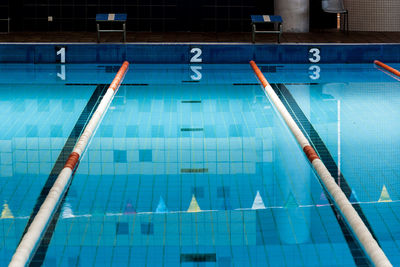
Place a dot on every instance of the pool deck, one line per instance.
(326, 36)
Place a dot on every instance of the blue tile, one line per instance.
(122, 228)
(120, 156)
(106, 130)
(56, 130)
(145, 155)
(147, 228)
(132, 131)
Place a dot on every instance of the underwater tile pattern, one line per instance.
(200, 173)
(358, 123)
(34, 126)
(212, 177)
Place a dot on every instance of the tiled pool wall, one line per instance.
(198, 53)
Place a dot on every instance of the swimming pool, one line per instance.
(193, 166)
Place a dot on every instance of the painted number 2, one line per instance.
(197, 74)
(196, 58)
(315, 56)
(61, 53)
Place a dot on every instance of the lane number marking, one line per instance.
(315, 55)
(196, 58)
(61, 53)
(315, 72)
(197, 74)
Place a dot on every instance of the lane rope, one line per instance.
(386, 67)
(371, 247)
(33, 235)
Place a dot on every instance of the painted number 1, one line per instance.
(61, 53)
(315, 56)
(196, 58)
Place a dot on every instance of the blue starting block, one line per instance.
(266, 19)
(111, 18)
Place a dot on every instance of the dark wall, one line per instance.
(143, 15)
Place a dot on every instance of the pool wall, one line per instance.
(198, 53)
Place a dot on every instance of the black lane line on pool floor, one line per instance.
(95, 84)
(94, 101)
(360, 258)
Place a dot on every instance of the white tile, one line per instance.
(120, 143)
(6, 170)
(197, 156)
(20, 143)
(158, 156)
(5, 146)
(107, 168)
(121, 168)
(249, 167)
(235, 143)
(197, 143)
(171, 143)
(20, 155)
(171, 155)
(106, 143)
(20, 167)
(132, 155)
(222, 143)
(157, 143)
(57, 142)
(94, 143)
(95, 169)
(184, 156)
(210, 143)
(222, 155)
(93, 156)
(132, 143)
(107, 156)
(33, 168)
(32, 143)
(172, 168)
(33, 156)
(223, 168)
(45, 168)
(236, 168)
(5, 158)
(236, 155)
(158, 168)
(267, 156)
(144, 143)
(210, 156)
(184, 143)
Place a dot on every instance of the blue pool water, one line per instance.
(195, 167)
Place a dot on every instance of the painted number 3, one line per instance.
(315, 72)
(315, 56)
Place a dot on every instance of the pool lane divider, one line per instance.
(371, 247)
(386, 67)
(358, 253)
(33, 235)
(91, 106)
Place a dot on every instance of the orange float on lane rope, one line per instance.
(310, 153)
(72, 161)
(386, 67)
(259, 74)
(33, 235)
